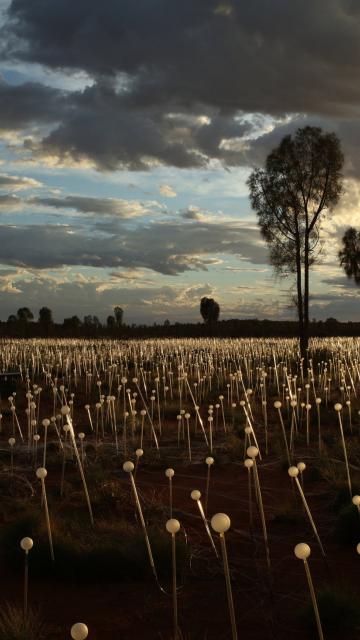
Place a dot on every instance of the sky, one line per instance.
(127, 133)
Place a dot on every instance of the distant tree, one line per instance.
(24, 314)
(301, 181)
(12, 319)
(72, 325)
(45, 316)
(110, 322)
(166, 323)
(118, 313)
(209, 310)
(349, 255)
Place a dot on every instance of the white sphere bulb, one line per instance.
(139, 453)
(128, 466)
(220, 522)
(277, 404)
(173, 525)
(358, 547)
(248, 463)
(11, 442)
(65, 410)
(41, 473)
(209, 460)
(302, 551)
(45, 422)
(195, 494)
(301, 466)
(338, 406)
(169, 473)
(26, 544)
(356, 500)
(293, 472)
(79, 631)
(252, 452)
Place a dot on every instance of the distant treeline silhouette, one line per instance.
(22, 325)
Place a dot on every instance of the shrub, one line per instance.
(339, 610)
(14, 625)
(347, 526)
(111, 552)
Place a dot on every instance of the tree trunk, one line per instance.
(300, 303)
(305, 341)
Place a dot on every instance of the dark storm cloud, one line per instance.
(169, 79)
(104, 206)
(166, 248)
(277, 56)
(31, 102)
(102, 126)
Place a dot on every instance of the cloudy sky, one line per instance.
(127, 132)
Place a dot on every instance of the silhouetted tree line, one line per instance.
(23, 325)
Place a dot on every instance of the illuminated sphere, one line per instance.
(220, 522)
(81, 435)
(195, 495)
(277, 404)
(41, 473)
(356, 500)
(65, 410)
(45, 422)
(139, 453)
(26, 544)
(302, 551)
(338, 406)
(173, 525)
(301, 466)
(128, 466)
(209, 460)
(248, 463)
(358, 547)
(11, 442)
(293, 472)
(252, 452)
(169, 473)
(79, 631)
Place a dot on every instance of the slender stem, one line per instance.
(313, 598)
(228, 587)
(26, 581)
(173, 553)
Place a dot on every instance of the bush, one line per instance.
(111, 552)
(14, 625)
(339, 610)
(347, 526)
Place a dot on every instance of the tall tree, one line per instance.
(349, 255)
(45, 316)
(210, 310)
(24, 314)
(301, 181)
(118, 313)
